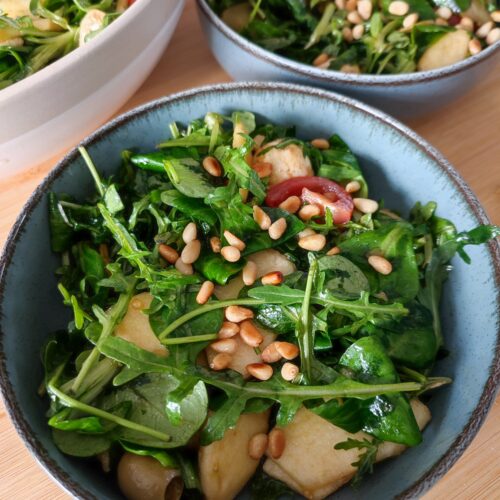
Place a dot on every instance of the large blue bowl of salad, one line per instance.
(256, 290)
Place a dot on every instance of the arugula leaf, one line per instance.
(188, 178)
(166, 459)
(366, 460)
(192, 207)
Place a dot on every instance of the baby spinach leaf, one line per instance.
(63, 422)
(192, 207)
(188, 178)
(76, 444)
(148, 397)
(394, 240)
(342, 277)
(217, 269)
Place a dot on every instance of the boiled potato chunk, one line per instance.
(245, 354)
(237, 16)
(477, 12)
(287, 162)
(449, 49)
(225, 466)
(15, 8)
(266, 262)
(311, 466)
(135, 327)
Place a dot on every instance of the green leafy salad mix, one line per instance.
(34, 33)
(240, 307)
(365, 36)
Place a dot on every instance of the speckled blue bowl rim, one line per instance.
(331, 76)
(436, 470)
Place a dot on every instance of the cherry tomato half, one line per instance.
(317, 190)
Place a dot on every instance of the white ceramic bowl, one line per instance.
(55, 108)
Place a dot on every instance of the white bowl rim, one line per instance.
(332, 76)
(53, 70)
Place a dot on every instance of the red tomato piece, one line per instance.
(317, 190)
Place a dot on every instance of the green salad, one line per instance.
(242, 311)
(34, 33)
(365, 36)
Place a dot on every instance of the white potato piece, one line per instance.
(266, 261)
(92, 21)
(135, 327)
(449, 49)
(237, 16)
(311, 466)
(287, 162)
(245, 354)
(15, 8)
(477, 12)
(225, 466)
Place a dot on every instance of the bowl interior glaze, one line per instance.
(401, 168)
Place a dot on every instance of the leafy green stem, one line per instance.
(109, 322)
(204, 309)
(93, 171)
(91, 410)
(304, 330)
(188, 340)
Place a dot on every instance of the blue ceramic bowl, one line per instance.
(404, 96)
(400, 167)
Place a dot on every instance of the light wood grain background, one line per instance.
(467, 132)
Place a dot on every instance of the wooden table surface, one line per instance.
(467, 133)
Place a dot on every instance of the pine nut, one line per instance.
(277, 228)
(333, 251)
(272, 278)
(289, 371)
(353, 186)
(244, 194)
(390, 214)
(493, 36)
(313, 243)
(309, 211)
(212, 166)
(351, 5)
(365, 9)
(221, 361)
(340, 4)
(466, 23)
(276, 443)
(263, 169)
(168, 253)
(224, 345)
(444, 12)
(380, 264)
(441, 22)
(484, 29)
(237, 314)
(260, 371)
(306, 232)
(321, 59)
(320, 143)
(231, 254)
(287, 349)
(398, 8)
(358, 31)
(475, 46)
(257, 446)
(228, 330)
(495, 15)
(261, 218)
(291, 204)
(205, 292)
(410, 20)
(215, 244)
(353, 17)
(250, 335)
(191, 252)
(365, 205)
(190, 232)
(234, 241)
(347, 34)
(249, 273)
(270, 354)
(183, 268)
